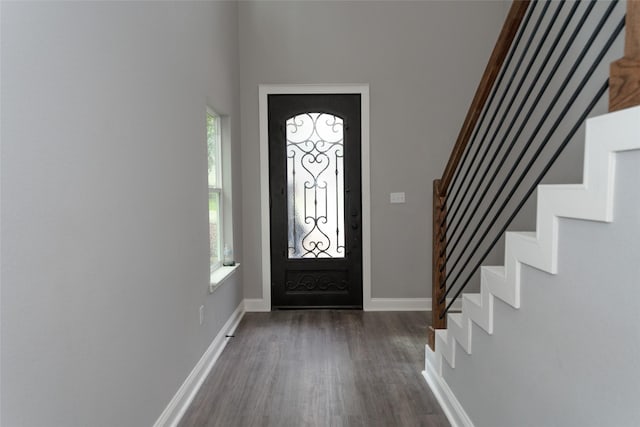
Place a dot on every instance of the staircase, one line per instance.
(505, 374)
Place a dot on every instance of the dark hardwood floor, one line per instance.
(320, 368)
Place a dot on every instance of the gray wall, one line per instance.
(569, 356)
(423, 61)
(104, 204)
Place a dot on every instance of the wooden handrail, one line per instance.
(500, 51)
(624, 76)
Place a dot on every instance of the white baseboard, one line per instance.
(374, 304)
(174, 411)
(406, 304)
(399, 304)
(450, 405)
(256, 305)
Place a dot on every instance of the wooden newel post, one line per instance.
(438, 287)
(624, 76)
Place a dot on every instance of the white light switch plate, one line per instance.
(396, 197)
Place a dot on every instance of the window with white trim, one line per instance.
(216, 216)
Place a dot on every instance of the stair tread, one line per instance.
(473, 298)
(497, 269)
(531, 235)
(442, 334)
(455, 317)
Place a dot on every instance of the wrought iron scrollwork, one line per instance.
(315, 181)
(313, 282)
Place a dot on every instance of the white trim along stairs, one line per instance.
(592, 200)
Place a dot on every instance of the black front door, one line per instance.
(315, 199)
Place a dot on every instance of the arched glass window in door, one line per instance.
(315, 186)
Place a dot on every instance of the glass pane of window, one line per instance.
(315, 186)
(214, 181)
(214, 227)
(213, 148)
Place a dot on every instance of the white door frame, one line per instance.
(264, 92)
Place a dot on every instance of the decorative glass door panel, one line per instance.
(315, 201)
(315, 186)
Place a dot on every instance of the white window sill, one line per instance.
(220, 275)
